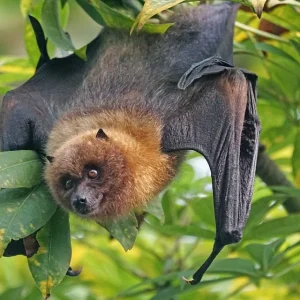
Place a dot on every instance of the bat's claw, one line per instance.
(186, 280)
(73, 273)
(190, 282)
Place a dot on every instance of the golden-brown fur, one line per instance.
(134, 168)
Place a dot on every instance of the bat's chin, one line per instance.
(87, 212)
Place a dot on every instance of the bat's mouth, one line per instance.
(85, 207)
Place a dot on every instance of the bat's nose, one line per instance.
(81, 201)
(80, 205)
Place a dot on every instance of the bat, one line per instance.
(173, 92)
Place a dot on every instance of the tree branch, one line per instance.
(271, 175)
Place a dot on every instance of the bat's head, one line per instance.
(89, 175)
(103, 174)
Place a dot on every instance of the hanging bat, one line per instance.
(115, 128)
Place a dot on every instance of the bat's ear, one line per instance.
(101, 135)
(50, 159)
(41, 41)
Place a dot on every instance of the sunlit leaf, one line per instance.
(20, 169)
(22, 212)
(81, 53)
(4, 90)
(284, 16)
(26, 6)
(272, 3)
(14, 69)
(51, 262)
(260, 32)
(258, 6)
(151, 8)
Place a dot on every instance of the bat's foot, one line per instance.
(72, 272)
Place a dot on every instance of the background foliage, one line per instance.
(265, 265)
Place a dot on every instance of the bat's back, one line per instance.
(144, 69)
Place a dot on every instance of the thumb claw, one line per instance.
(186, 280)
(73, 273)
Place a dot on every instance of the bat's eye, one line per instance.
(69, 184)
(92, 174)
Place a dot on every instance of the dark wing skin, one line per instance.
(29, 111)
(221, 123)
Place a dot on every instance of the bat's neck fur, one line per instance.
(137, 136)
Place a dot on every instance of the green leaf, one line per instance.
(91, 11)
(155, 209)
(288, 190)
(171, 292)
(12, 293)
(204, 210)
(114, 19)
(263, 254)
(169, 207)
(280, 227)
(296, 44)
(260, 32)
(14, 69)
(81, 53)
(63, 2)
(192, 230)
(260, 208)
(31, 46)
(124, 230)
(4, 90)
(151, 8)
(167, 278)
(238, 266)
(296, 160)
(284, 16)
(52, 25)
(20, 169)
(276, 51)
(23, 211)
(52, 260)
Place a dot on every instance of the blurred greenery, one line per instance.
(265, 265)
